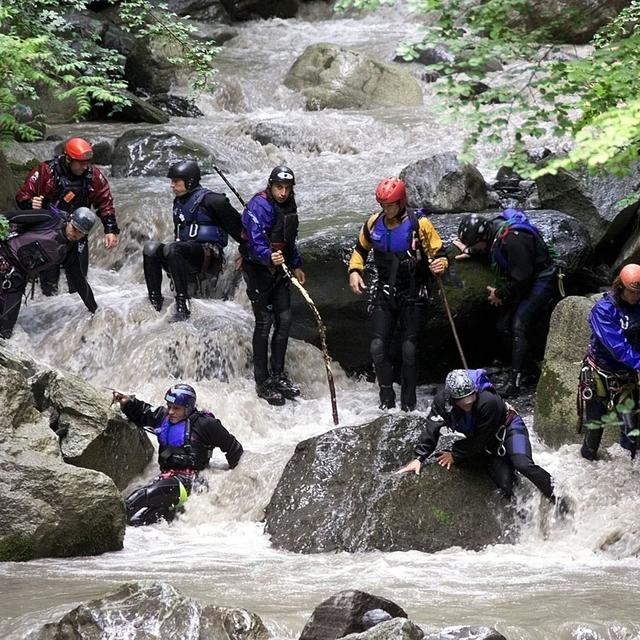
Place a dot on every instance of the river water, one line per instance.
(575, 579)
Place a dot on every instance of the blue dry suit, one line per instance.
(609, 371)
(494, 433)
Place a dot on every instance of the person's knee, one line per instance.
(264, 320)
(377, 350)
(151, 248)
(284, 319)
(408, 353)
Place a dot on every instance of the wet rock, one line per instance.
(148, 610)
(466, 633)
(397, 629)
(249, 9)
(442, 184)
(175, 105)
(8, 185)
(595, 200)
(338, 492)
(143, 152)
(138, 110)
(348, 612)
(331, 77)
(292, 137)
(210, 10)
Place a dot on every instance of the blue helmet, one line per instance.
(183, 395)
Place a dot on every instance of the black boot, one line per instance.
(514, 388)
(156, 300)
(182, 312)
(267, 391)
(283, 384)
(387, 398)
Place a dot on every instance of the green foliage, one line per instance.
(4, 228)
(48, 43)
(590, 103)
(613, 418)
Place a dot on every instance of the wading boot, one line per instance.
(283, 384)
(387, 397)
(156, 300)
(267, 391)
(182, 312)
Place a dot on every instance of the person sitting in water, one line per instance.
(186, 440)
(609, 373)
(494, 432)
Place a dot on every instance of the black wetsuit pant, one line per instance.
(385, 315)
(515, 321)
(50, 278)
(270, 295)
(516, 456)
(10, 303)
(183, 261)
(159, 499)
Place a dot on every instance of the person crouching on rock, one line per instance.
(493, 430)
(39, 240)
(186, 440)
(609, 373)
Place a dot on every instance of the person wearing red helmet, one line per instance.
(609, 373)
(64, 184)
(403, 242)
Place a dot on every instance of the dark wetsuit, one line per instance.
(180, 461)
(38, 244)
(494, 433)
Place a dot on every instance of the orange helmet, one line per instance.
(391, 190)
(630, 276)
(78, 149)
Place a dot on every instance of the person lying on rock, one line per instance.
(609, 374)
(39, 240)
(186, 440)
(202, 221)
(527, 283)
(64, 184)
(404, 242)
(493, 430)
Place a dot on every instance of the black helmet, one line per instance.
(184, 395)
(282, 175)
(187, 170)
(83, 220)
(473, 229)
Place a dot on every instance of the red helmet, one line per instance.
(630, 276)
(391, 190)
(78, 149)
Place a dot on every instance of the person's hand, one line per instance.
(120, 398)
(36, 202)
(412, 467)
(437, 266)
(299, 274)
(493, 298)
(110, 240)
(464, 253)
(445, 459)
(356, 283)
(277, 258)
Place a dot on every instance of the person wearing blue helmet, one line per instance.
(186, 438)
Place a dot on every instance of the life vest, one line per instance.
(73, 191)
(180, 447)
(515, 220)
(192, 222)
(285, 229)
(38, 249)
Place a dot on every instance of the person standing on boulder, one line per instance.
(527, 285)
(494, 433)
(202, 220)
(609, 374)
(270, 223)
(186, 439)
(39, 240)
(65, 184)
(404, 242)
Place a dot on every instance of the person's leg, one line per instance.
(157, 500)
(10, 302)
(281, 305)
(153, 261)
(49, 280)
(411, 319)
(183, 259)
(629, 423)
(594, 409)
(502, 473)
(383, 322)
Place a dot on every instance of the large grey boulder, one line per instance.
(143, 152)
(148, 610)
(466, 633)
(338, 492)
(138, 110)
(396, 629)
(597, 201)
(331, 77)
(348, 612)
(442, 184)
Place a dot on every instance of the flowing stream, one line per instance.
(576, 579)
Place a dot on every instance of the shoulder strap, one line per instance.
(366, 229)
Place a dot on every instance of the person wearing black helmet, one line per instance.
(186, 439)
(66, 183)
(40, 240)
(202, 222)
(270, 228)
(495, 434)
(527, 286)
